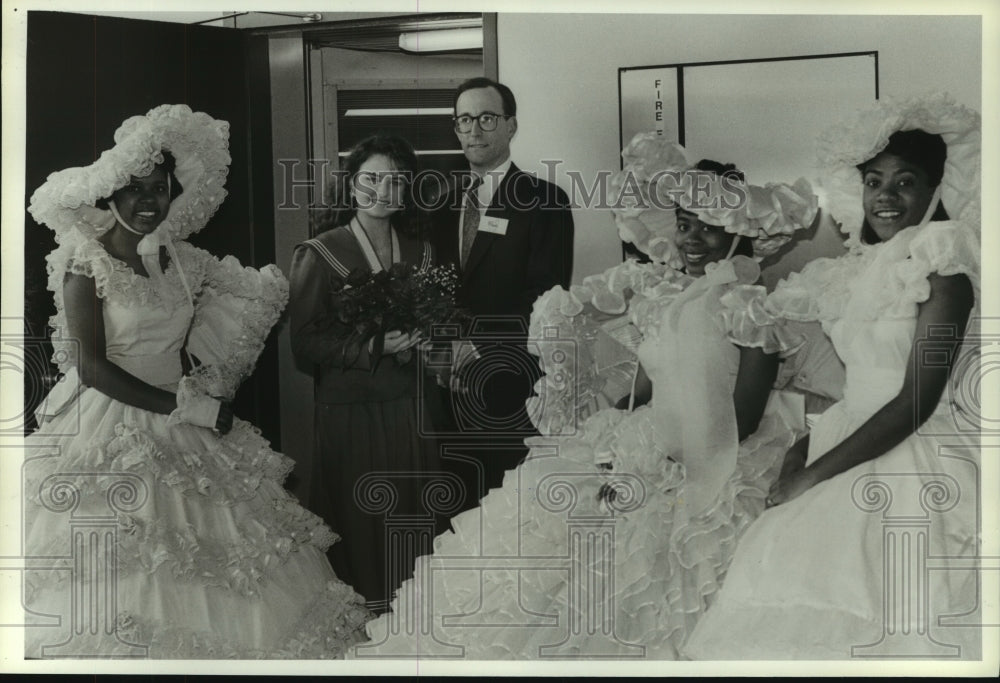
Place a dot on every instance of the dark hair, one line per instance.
(339, 209)
(168, 164)
(744, 247)
(721, 170)
(926, 151)
(506, 94)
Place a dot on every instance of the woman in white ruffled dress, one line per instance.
(869, 547)
(163, 519)
(614, 533)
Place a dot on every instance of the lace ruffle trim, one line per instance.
(230, 471)
(235, 315)
(241, 563)
(662, 586)
(333, 623)
(275, 525)
(946, 248)
(674, 584)
(819, 292)
(577, 354)
(750, 325)
(883, 281)
(114, 281)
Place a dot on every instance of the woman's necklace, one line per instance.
(383, 264)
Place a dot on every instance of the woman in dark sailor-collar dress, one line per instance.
(367, 431)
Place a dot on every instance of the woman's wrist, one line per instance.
(798, 454)
(195, 408)
(816, 472)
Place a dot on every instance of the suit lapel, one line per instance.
(499, 208)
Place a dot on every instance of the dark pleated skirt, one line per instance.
(373, 482)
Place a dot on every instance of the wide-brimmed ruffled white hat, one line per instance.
(200, 146)
(658, 176)
(865, 134)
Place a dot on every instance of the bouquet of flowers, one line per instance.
(366, 306)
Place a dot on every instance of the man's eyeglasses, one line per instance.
(487, 121)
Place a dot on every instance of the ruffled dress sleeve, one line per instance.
(893, 279)
(749, 324)
(950, 248)
(234, 314)
(88, 258)
(945, 248)
(80, 257)
(586, 339)
(818, 293)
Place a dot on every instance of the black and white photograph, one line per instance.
(422, 338)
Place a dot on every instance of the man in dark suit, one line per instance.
(510, 235)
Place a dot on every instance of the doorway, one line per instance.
(330, 86)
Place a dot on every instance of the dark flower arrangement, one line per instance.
(365, 306)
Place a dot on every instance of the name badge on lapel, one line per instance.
(497, 226)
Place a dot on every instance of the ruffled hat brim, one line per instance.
(659, 176)
(200, 146)
(860, 138)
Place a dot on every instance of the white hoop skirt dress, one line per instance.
(546, 567)
(155, 538)
(878, 561)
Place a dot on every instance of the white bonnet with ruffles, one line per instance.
(862, 136)
(200, 146)
(643, 196)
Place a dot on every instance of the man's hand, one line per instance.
(396, 341)
(431, 353)
(462, 353)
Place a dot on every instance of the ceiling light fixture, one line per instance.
(426, 111)
(447, 40)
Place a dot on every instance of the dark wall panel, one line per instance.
(85, 75)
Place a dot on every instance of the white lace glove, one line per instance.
(193, 407)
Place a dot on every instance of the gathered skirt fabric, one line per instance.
(170, 541)
(374, 473)
(874, 562)
(544, 569)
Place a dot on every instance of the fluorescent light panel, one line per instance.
(442, 41)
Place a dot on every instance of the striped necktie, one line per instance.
(470, 220)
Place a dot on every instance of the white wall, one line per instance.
(564, 70)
